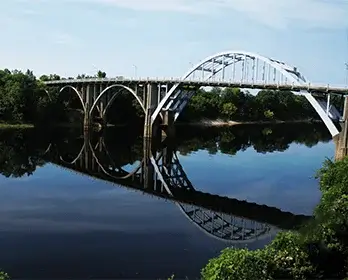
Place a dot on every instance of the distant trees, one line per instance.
(51, 77)
(20, 96)
(100, 74)
(234, 104)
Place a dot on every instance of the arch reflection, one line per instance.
(157, 171)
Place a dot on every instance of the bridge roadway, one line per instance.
(313, 88)
(252, 211)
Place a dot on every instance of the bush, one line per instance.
(238, 264)
(286, 257)
(4, 276)
(289, 257)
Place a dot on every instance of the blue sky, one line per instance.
(164, 38)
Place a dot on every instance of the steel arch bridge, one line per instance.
(244, 68)
(166, 98)
(227, 228)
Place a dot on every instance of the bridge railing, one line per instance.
(216, 82)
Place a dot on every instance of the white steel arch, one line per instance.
(217, 226)
(78, 94)
(246, 67)
(114, 96)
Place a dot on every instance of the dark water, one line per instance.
(111, 206)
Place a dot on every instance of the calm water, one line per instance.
(71, 205)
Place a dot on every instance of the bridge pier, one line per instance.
(341, 140)
(87, 97)
(151, 95)
(168, 123)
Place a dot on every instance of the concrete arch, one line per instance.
(227, 58)
(76, 158)
(125, 175)
(78, 95)
(114, 96)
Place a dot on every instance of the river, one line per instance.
(72, 207)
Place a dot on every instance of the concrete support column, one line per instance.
(345, 109)
(148, 171)
(167, 156)
(341, 140)
(168, 123)
(86, 151)
(102, 101)
(328, 104)
(88, 104)
(151, 103)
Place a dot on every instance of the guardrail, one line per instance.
(218, 83)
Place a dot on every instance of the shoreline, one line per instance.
(16, 126)
(204, 123)
(216, 123)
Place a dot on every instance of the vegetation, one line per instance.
(234, 104)
(318, 251)
(4, 276)
(21, 97)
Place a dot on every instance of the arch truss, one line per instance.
(238, 67)
(224, 227)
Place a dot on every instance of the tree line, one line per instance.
(23, 99)
(235, 104)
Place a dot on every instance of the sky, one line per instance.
(164, 38)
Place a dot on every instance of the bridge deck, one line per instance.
(319, 88)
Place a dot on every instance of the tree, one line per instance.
(269, 114)
(229, 110)
(101, 74)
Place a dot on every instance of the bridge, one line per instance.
(163, 100)
(160, 174)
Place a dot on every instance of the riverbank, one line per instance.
(204, 123)
(220, 122)
(16, 125)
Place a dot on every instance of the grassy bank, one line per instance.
(15, 125)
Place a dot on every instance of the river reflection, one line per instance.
(176, 204)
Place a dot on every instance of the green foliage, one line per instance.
(285, 258)
(101, 74)
(4, 276)
(289, 257)
(268, 114)
(238, 264)
(232, 103)
(229, 110)
(23, 98)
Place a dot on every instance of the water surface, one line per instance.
(70, 209)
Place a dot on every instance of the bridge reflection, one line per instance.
(159, 173)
